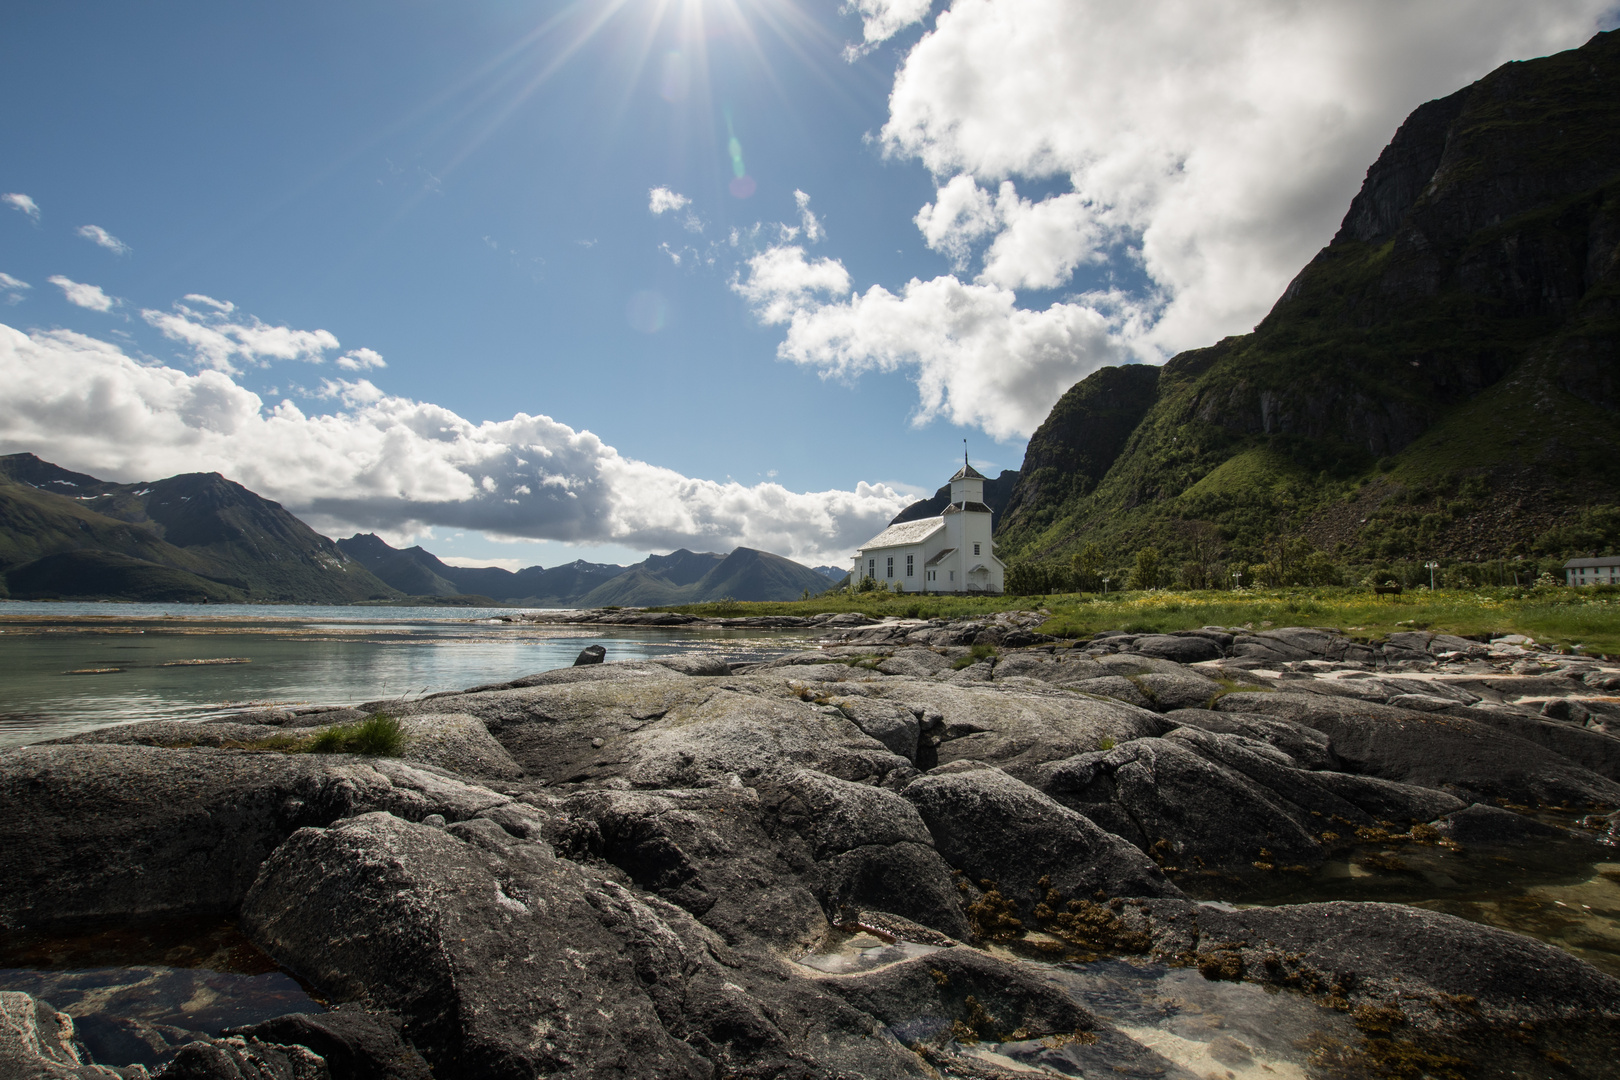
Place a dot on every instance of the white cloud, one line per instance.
(977, 358)
(18, 201)
(217, 341)
(882, 19)
(660, 199)
(361, 360)
(781, 282)
(13, 288)
(808, 222)
(85, 296)
(1208, 146)
(469, 562)
(380, 462)
(102, 238)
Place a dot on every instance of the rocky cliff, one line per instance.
(1458, 339)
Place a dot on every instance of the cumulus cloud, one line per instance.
(977, 358)
(1208, 146)
(361, 360)
(382, 462)
(18, 201)
(660, 199)
(82, 295)
(781, 282)
(218, 338)
(102, 238)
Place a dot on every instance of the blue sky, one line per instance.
(485, 275)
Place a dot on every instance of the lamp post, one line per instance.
(1237, 575)
(1105, 586)
(1431, 566)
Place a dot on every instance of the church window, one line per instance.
(909, 570)
(891, 566)
(975, 549)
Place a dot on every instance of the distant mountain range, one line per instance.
(200, 538)
(197, 537)
(681, 577)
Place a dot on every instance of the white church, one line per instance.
(951, 553)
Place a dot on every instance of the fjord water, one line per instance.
(66, 668)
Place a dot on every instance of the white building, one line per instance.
(951, 553)
(1604, 571)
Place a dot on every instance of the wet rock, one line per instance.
(37, 1043)
(355, 1043)
(998, 829)
(1443, 974)
(921, 999)
(590, 654)
(243, 1059)
(1481, 824)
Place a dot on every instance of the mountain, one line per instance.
(1442, 380)
(197, 536)
(681, 577)
(833, 573)
(420, 573)
(996, 493)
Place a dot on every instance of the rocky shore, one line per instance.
(903, 852)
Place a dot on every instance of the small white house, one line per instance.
(1604, 571)
(951, 553)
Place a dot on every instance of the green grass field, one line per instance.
(1587, 618)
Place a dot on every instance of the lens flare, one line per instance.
(648, 311)
(676, 79)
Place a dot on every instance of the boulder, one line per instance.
(590, 654)
(1178, 648)
(1469, 758)
(506, 962)
(91, 831)
(459, 743)
(917, 662)
(995, 828)
(1187, 810)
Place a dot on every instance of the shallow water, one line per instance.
(174, 974)
(1564, 892)
(69, 668)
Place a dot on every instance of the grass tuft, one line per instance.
(376, 736)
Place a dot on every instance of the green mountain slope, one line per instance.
(1443, 379)
(214, 532)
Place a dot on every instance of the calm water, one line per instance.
(66, 668)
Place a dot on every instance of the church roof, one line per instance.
(907, 532)
(968, 472)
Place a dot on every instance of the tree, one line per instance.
(1146, 574)
(1088, 568)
